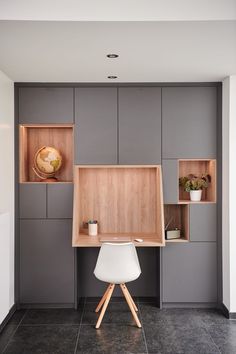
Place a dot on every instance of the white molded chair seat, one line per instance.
(117, 263)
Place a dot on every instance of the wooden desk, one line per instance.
(84, 240)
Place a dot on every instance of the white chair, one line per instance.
(117, 263)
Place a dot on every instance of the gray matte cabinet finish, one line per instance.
(60, 201)
(96, 125)
(190, 272)
(189, 122)
(46, 262)
(203, 218)
(45, 105)
(32, 199)
(170, 181)
(139, 125)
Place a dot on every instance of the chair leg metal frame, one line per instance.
(105, 301)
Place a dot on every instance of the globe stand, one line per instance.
(45, 178)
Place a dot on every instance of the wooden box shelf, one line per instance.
(198, 167)
(33, 137)
(126, 201)
(178, 215)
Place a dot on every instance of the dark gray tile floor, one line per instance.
(168, 331)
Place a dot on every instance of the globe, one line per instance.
(47, 161)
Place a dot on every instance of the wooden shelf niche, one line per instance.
(125, 200)
(198, 167)
(178, 216)
(33, 137)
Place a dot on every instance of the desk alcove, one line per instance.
(126, 201)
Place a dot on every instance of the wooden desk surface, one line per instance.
(84, 240)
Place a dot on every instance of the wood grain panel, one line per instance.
(125, 200)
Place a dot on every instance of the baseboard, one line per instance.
(197, 305)
(46, 306)
(8, 317)
(225, 311)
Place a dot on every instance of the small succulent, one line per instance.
(194, 183)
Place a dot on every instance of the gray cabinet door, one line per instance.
(190, 272)
(189, 121)
(96, 125)
(43, 105)
(60, 200)
(140, 125)
(170, 181)
(32, 201)
(46, 262)
(203, 220)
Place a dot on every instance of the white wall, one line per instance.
(229, 193)
(6, 195)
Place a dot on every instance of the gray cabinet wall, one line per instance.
(189, 124)
(46, 105)
(189, 273)
(139, 125)
(96, 126)
(46, 262)
(119, 125)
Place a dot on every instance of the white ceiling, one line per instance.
(149, 51)
(67, 40)
(118, 10)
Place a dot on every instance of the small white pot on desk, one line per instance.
(195, 196)
(92, 229)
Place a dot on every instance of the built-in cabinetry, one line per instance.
(139, 125)
(171, 126)
(46, 105)
(189, 122)
(46, 262)
(118, 125)
(96, 125)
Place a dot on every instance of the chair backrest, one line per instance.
(117, 263)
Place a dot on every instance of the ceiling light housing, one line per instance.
(112, 56)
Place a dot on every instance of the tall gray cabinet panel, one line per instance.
(46, 262)
(96, 125)
(60, 200)
(170, 181)
(44, 105)
(203, 218)
(140, 125)
(189, 122)
(190, 272)
(32, 201)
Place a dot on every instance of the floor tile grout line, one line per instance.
(220, 352)
(15, 331)
(77, 339)
(143, 332)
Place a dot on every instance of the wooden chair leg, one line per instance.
(103, 299)
(131, 299)
(110, 291)
(127, 297)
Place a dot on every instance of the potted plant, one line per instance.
(194, 185)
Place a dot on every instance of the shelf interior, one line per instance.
(198, 168)
(178, 216)
(32, 138)
(124, 201)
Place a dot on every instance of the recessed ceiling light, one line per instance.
(112, 56)
(112, 77)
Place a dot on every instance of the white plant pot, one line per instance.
(195, 196)
(93, 229)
